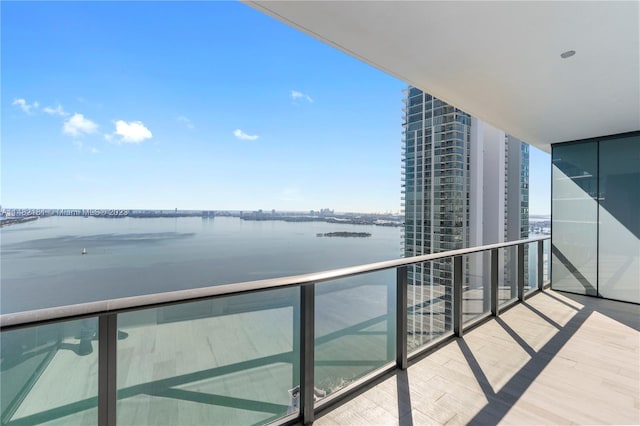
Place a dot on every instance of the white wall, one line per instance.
(493, 184)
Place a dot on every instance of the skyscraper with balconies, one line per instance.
(465, 183)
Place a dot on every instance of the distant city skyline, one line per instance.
(52, 211)
(195, 106)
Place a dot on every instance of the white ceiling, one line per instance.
(497, 60)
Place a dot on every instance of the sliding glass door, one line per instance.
(596, 217)
(619, 219)
(575, 218)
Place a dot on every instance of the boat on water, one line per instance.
(84, 251)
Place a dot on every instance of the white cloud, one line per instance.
(132, 132)
(24, 105)
(55, 111)
(184, 120)
(243, 136)
(77, 125)
(295, 95)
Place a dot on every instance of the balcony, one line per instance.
(481, 339)
(289, 350)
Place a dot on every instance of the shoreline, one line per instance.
(18, 220)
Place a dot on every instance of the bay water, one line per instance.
(43, 264)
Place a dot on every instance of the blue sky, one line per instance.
(194, 105)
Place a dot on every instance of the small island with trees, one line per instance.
(345, 234)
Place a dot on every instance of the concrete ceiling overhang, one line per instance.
(497, 60)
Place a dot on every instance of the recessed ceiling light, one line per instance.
(567, 54)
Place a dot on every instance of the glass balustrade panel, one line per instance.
(429, 300)
(507, 274)
(530, 267)
(49, 374)
(546, 246)
(231, 360)
(355, 328)
(476, 285)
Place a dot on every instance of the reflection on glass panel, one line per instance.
(546, 247)
(430, 296)
(530, 267)
(619, 219)
(355, 328)
(231, 360)
(507, 274)
(49, 374)
(574, 217)
(476, 288)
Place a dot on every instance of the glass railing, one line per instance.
(546, 262)
(354, 329)
(429, 299)
(530, 267)
(257, 352)
(476, 296)
(231, 359)
(507, 280)
(49, 373)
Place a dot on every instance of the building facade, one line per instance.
(464, 184)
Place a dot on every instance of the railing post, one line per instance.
(520, 269)
(107, 360)
(401, 317)
(457, 295)
(495, 295)
(307, 352)
(297, 346)
(540, 264)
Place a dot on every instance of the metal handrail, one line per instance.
(124, 304)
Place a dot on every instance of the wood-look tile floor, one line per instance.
(556, 359)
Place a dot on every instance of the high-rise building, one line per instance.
(465, 184)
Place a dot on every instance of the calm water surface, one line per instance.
(43, 266)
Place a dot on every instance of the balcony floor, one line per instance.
(556, 359)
